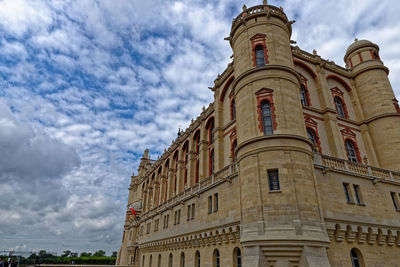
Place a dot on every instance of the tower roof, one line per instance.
(357, 44)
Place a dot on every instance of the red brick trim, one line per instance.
(373, 54)
(336, 92)
(347, 134)
(232, 148)
(340, 80)
(351, 63)
(231, 108)
(312, 116)
(228, 132)
(396, 105)
(345, 126)
(304, 82)
(265, 94)
(258, 39)
(306, 67)
(360, 56)
(315, 131)
(227, 84)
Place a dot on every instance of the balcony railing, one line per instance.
(223, 174)
(328, 162)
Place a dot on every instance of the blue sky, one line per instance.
(86, 86)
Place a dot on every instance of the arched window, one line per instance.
(197, 142)
(211, 160)
(266, 117)
(182, 264)
(233, 109)
(351, 151)
(211, 133)
(216, 259)
(159, 260)
(339, 107)
(355, 258)
(197, 259)
(151, 260)
(260, 60)
(234, 145)
(170, 260)
(312, 137)
(303, 95)
(237, 257)
(196, 176)
(143, 259)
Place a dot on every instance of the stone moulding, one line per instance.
(225, 234)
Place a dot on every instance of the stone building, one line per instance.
(295, 163)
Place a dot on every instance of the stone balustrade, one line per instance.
(224, 174)
(377, 174)
(258, 9)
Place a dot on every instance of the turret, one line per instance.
(279, 203)
(377, 100)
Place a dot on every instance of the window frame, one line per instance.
(273, 180)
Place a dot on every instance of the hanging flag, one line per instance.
(133, 212)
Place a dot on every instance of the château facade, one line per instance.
(295, 163)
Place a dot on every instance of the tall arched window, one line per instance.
(182, 264)
(233, 109)
(211, 160)
(196, 176)
(143, 259)
(237, 257)
(151, 260)
(216, 259)
(260, 60)
(266, 118)
(197, 142)
(339, 107)
(351, 150)
(159, 260)
(355, 258)
(234, 145)
(197, 259)
(312, 137)
(170, 260)
(303, 95)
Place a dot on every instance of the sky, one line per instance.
(87, 85)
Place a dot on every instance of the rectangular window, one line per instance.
(346, 192)
(357, 193)
(176, 217)
(166, 225)
(192, 211)
(188, 213)
(396, 205)
(210, 206)
(141, 230)
(273, 179)
(148, 228)
(179, 216)
(215, 202)
(156, 225)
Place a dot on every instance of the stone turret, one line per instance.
(279, 203)
(377, 100)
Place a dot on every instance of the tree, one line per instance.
(74, 254)
(85, 254)
(66, 253)
(42, 253)
(114, 254)
(99, 253)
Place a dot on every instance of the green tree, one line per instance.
(74, 254)
(99, 253)
(85, 254)
(42, 253)
(114, 254)
(66, 253)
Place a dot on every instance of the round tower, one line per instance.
(377, 100)
(279, 203)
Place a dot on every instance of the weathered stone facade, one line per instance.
(295, 163)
